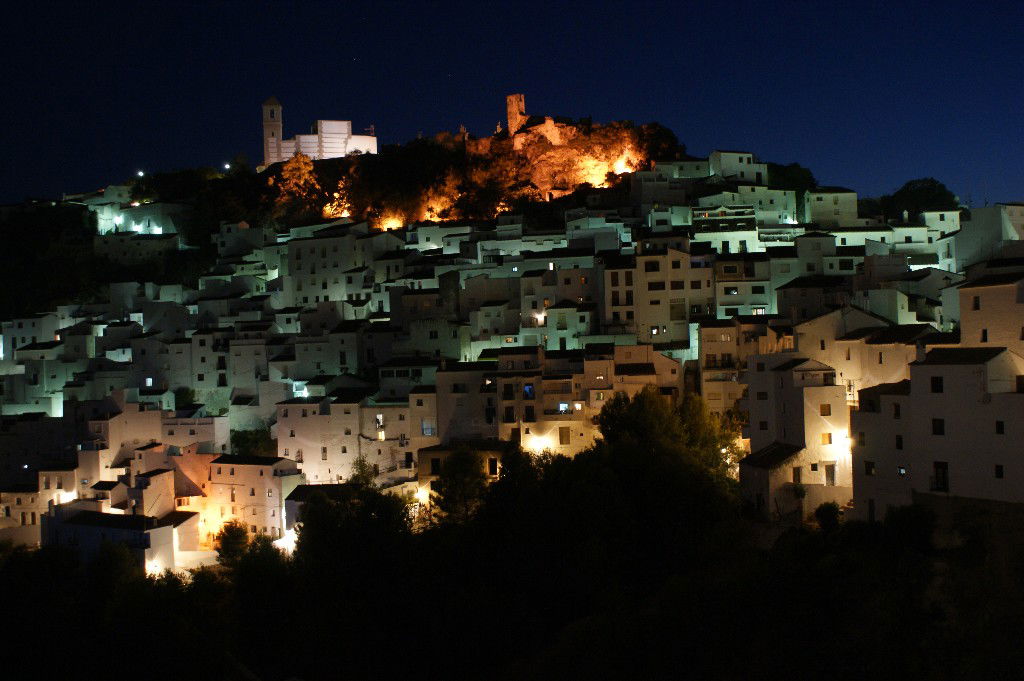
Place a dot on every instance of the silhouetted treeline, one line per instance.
(632, 560)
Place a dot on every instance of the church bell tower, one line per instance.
(272, 129)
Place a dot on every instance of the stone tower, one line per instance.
(515, 105)
(272, 129)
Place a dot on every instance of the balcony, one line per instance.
(564, 415)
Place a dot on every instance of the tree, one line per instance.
(917, 196)
(254, 442)
(461, 485)
(232, 542)
(827, 516)
(299, 196)
(184, 397)
(362, 472)
(679, 426)
(791, 176)
(658, 143)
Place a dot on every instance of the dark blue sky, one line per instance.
(867, 95)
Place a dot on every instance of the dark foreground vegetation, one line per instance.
(632, 560)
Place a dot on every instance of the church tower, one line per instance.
(272, 129)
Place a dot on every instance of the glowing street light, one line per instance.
(140, 173)
(227, 166)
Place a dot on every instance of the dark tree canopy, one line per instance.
(791, 176)
(917, 196)
(232, 541)
(255, 442)
(461, 486)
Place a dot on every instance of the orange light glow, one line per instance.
(594, 167)
(439, 200)
(390, 221)
(339, 205)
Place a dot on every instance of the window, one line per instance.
(825, 409)
(757, 289)
(999, 471)
(938, 426)
(976, 303)
(984, 335)
(492, 465)
(732, 290)
(797, 474)
(764, 396)
(901, 471)
(826, 438)
(762, 425)
(821, 344)
(896, 410)
(435, 466)
(899, 442)
(652, 266)
(1000, 428)
(936, 384)
(869, 468)
(860, 439)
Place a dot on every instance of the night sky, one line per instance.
(866, 95)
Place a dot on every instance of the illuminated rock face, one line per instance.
(555, 157)
(543, 158)
(558, 157)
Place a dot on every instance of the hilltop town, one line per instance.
(339, 323)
